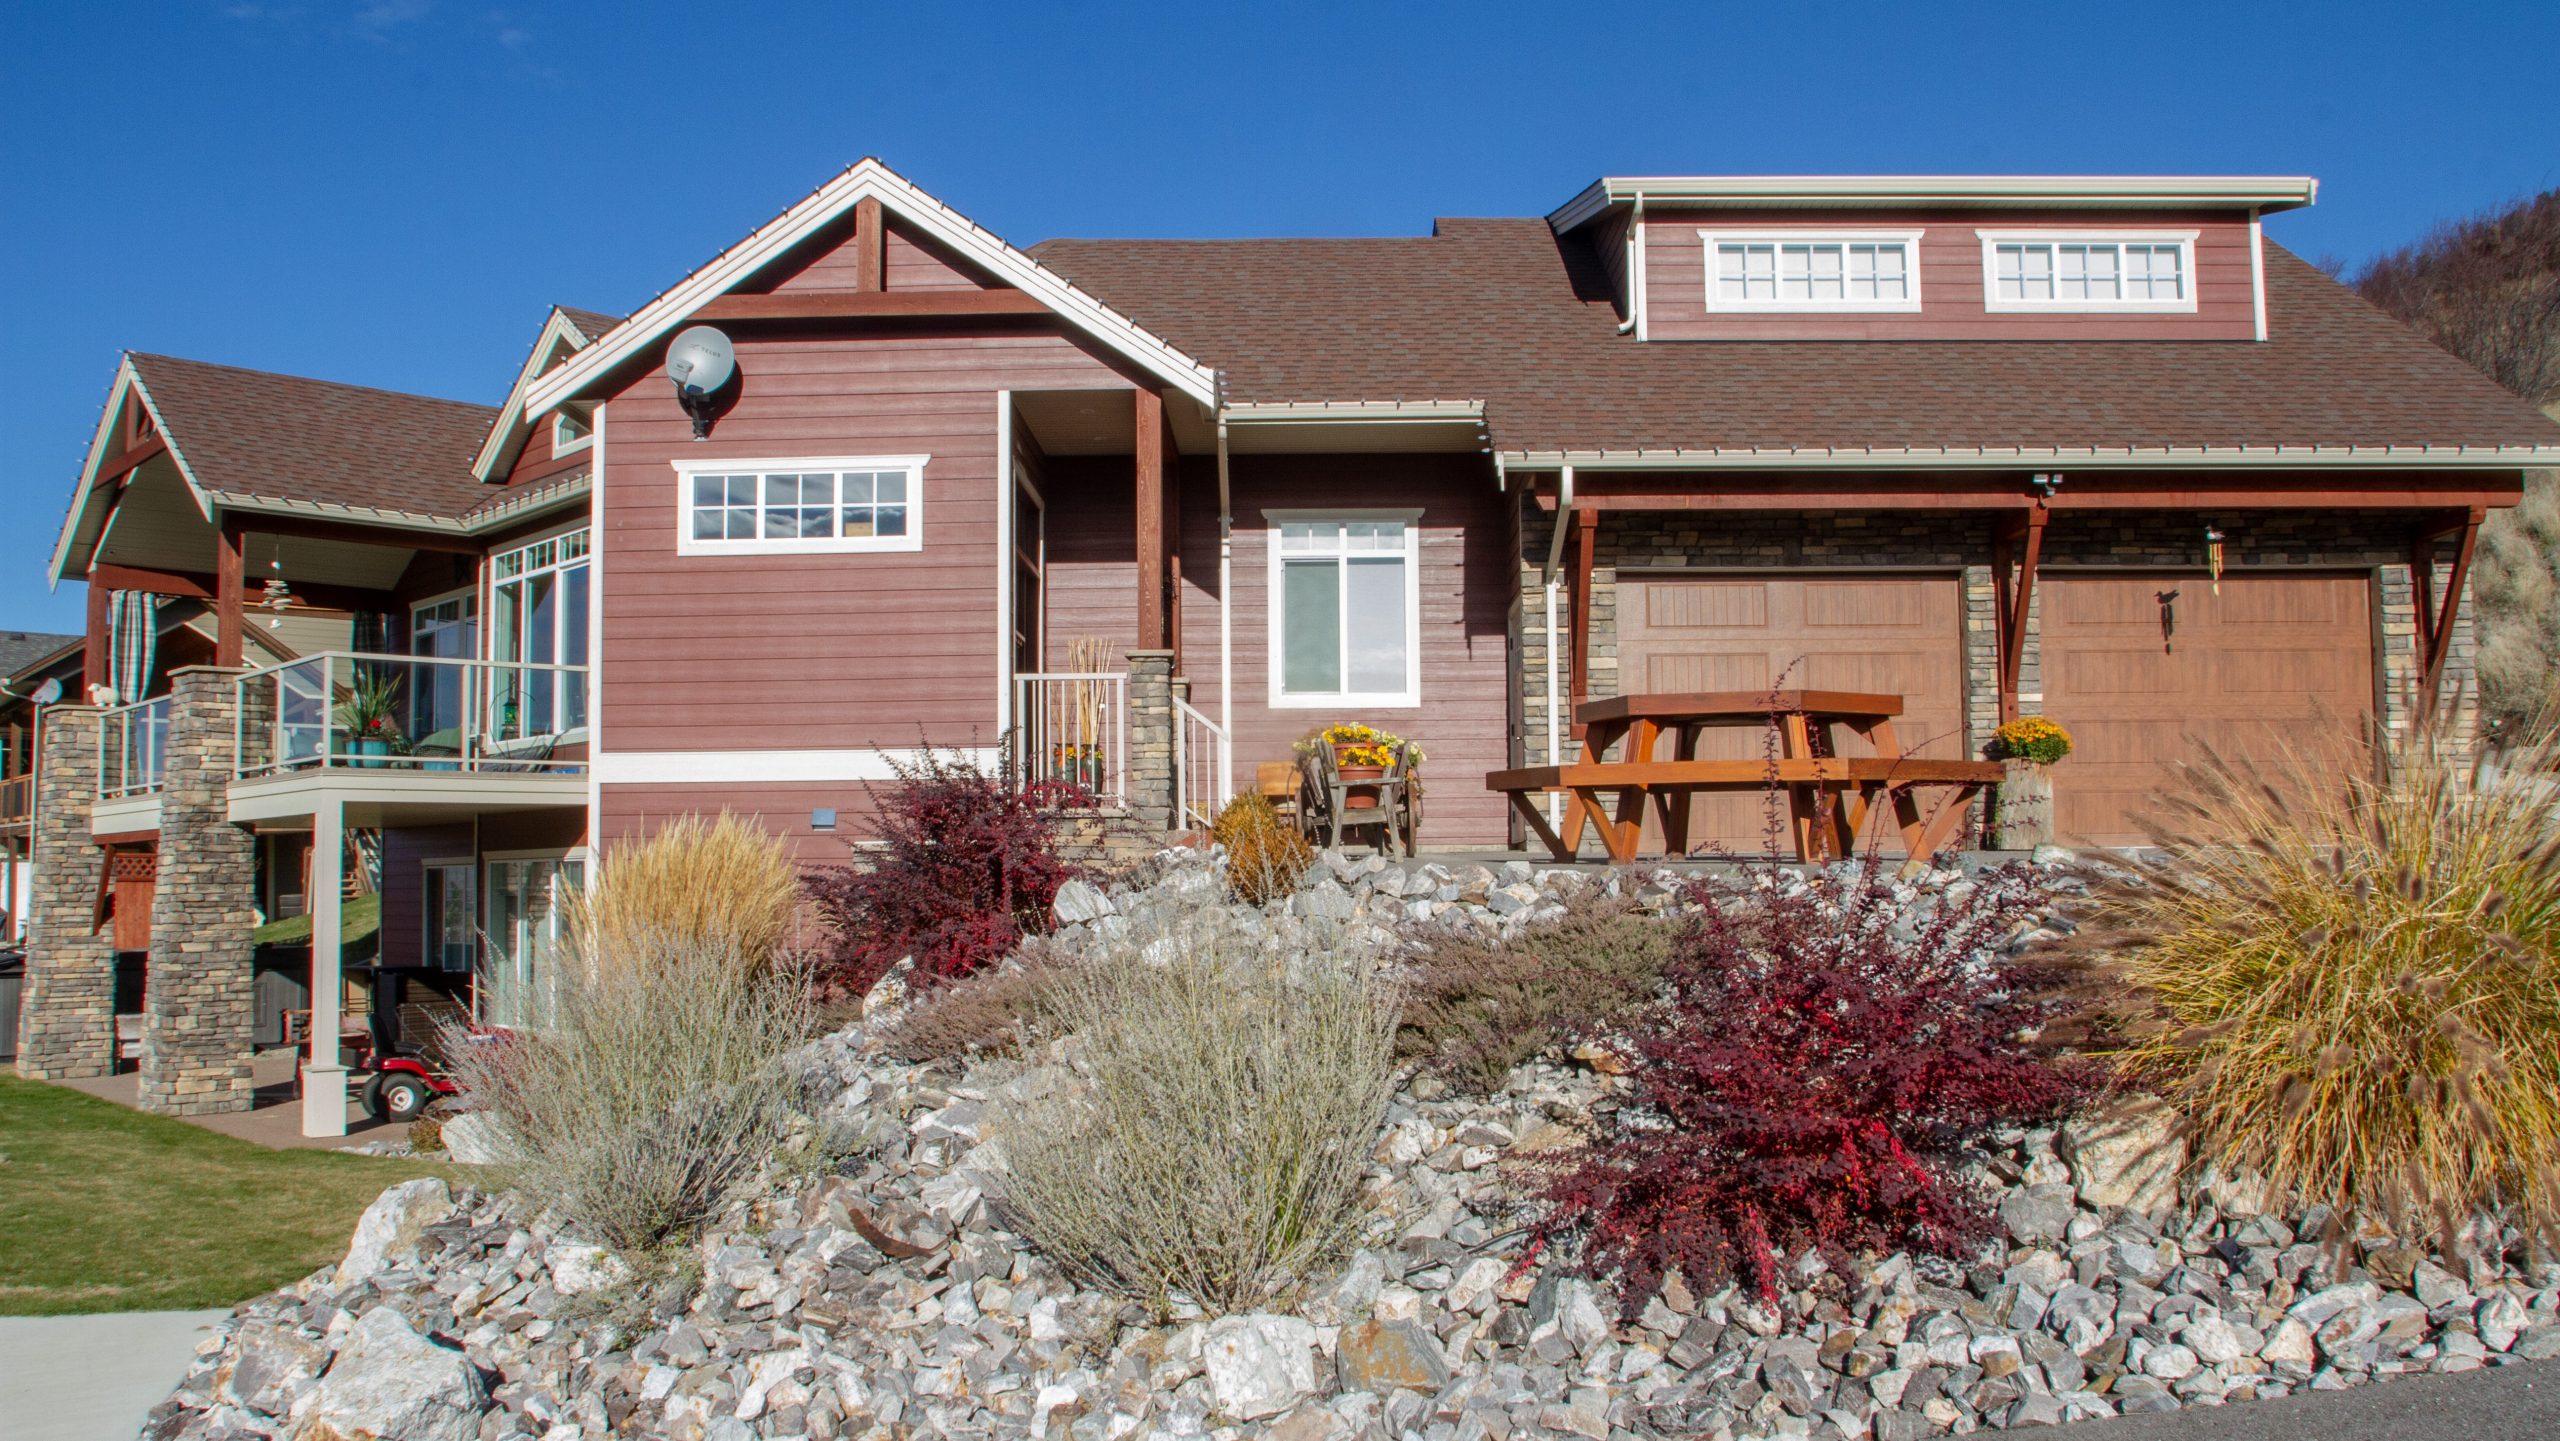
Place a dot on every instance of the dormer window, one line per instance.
(2084, 273)
(1796, 272)
(569, 433)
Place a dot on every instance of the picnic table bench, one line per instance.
(1830, 796)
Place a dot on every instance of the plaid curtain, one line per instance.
(133, 639)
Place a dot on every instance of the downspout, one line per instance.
(1635, 268)
(1226, 593)
(1555, 698)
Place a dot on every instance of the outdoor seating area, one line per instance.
(1832, 798)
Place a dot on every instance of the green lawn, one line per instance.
(108, 1209)
(358, 918)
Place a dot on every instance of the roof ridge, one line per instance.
(309, 380)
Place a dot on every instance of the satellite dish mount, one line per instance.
(701, 362)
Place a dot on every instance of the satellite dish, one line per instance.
(49, 692)
(701, 360)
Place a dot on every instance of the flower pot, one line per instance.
(366, 752)
(2022, 810)
(1361, 797)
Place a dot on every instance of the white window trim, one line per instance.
(1406, 699)
(1993, 304)
(913, 540)
(561, 419)
(1909, 240)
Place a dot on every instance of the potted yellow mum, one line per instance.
(2022, 812)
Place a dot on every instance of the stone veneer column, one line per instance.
(200, 998)
(1151, 738)
(66, 1018)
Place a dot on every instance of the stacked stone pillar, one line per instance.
(200, 1000)
(1151, 785)
(66, 1017)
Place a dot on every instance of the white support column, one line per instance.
(324, 1077)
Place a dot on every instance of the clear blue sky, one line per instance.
(392, 191)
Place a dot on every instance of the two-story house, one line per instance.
(2083, 446)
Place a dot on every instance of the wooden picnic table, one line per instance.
(1830, 795)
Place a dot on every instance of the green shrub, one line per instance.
(1475, 1006)
(1265, 854)
(2351, 984)
(1224, 1104)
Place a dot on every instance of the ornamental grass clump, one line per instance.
(1265, 854)
(656, 1094)
(1207, 1142)
(2348, 977)
(1821, 1061)
(694, 880)
(1477, 1006)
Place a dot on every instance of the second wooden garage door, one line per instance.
(1899, 634)
(2146, 670)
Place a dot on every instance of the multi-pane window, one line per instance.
(1343, 630)
(2087, 273)
(1849, 272)
(518, 982)
(745, 506)
(538, 624)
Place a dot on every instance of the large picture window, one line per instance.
(1847, 271)
(1345, 596)
(751, 507)
(2033, 270)
(518, 980)
(537, 622)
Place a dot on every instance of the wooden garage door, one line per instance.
(2144, 670)
(1898, 634)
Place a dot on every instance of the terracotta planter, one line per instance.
(1360, 797)
(2022, 813)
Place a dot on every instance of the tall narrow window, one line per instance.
(1848, 271)
(2090, 274)
(537, 626)
(453, 918)
(517, 981)
(1344, 628)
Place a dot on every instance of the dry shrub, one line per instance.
(694, 880)
(1265, 854)
(657, 1094)
(988, 1012)
(1477, 1006)
(1211, 1142)
(2351, 984)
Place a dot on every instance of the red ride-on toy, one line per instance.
(400, 1088)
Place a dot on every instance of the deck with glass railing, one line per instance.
(422, 715)
(133, 749)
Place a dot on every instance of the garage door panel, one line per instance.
(1721, 605)
(1870, 606)
(1705, 672)
(2273, 661)
(1902, 673)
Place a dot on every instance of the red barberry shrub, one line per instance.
(967, 865)
(1821, 1060)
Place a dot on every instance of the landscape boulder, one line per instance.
(391, 1227)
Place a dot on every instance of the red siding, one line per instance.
(1950, 279)
(912, 265)
(405, 852)
(637, 811)
(744, 653)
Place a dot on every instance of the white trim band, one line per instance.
(860, 763)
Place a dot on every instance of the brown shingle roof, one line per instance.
(284, 437)
(1505, 312)
(591, 323)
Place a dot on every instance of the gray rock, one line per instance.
(2037, 1214)
(474, 1138)
(388, 1381)
(1258, 1365)
(389, 1231)
(274, 1365)
(2129, 1156)
(1383, 1356)
(1079, 902)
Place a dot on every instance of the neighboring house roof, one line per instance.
(1504, 311)
(20, 649)
(252, 434)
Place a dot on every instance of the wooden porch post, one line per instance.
(2435, 623)
(1154, 628)
(2010, 603)
(1585, 540)
(229, 585)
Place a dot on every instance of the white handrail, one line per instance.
(1073, 726)
(1201, 769)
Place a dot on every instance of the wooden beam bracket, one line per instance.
(2436, 620)
(2015, 549)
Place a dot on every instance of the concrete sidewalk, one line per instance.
(2516, 1401)
(276, 1123)
(92, 1378)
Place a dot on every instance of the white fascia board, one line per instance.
(1339, 412)
(2261, 192)
(871, 179)
(2348, 457)
(511, 418)
(127, 380)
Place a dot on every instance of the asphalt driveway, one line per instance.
(2516, 1401)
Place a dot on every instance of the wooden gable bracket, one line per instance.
(2015, 549)
(2435, 624)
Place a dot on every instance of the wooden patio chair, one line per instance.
(1278, 783)
(1328, 815)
